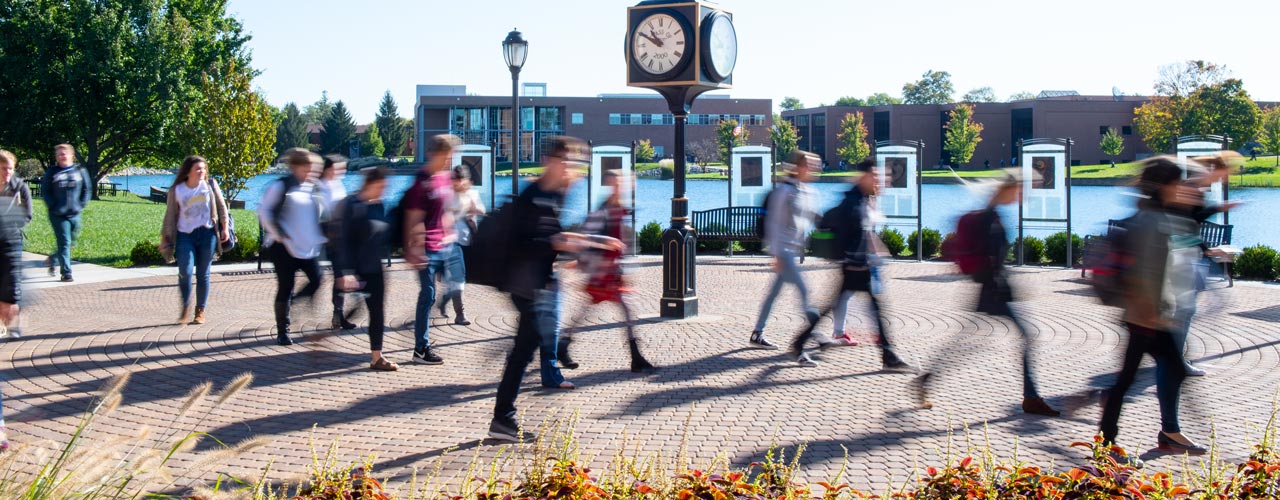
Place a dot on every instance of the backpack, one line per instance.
(491, 248)
(1109, 258)
(968, 249)
(764, 214)
(825, 242)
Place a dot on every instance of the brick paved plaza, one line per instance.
(735, 398)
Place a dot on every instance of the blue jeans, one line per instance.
(455, 271)
(427, 296)
(546, 305)
(790, 273)
(195, 248)
(65, 231)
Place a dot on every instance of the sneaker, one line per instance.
(1037, 406)
(1195, 371)
(803, 359)
(67, 278)
(759, 342)
(283, 338)
(506, 429)
(341, 323)
(845, 338)
(893, 363)
(426, 357)
(15, 333)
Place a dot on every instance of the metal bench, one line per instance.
(1212, 235)
(728, 224)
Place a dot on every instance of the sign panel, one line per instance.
(609, 158)
(478, 159)
(750, 176)
(1044, 177)
(898, 167)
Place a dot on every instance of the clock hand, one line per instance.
(654, 39)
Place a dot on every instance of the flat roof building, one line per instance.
(604, 119)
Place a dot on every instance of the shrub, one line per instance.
(893, 241)
(946, 240)
(246, 248)
(668, 168)
(1258, 262)
(1055, 248)
(932, 242)
(146, 253)
(1032, 251)
(651, 238)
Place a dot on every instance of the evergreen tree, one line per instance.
(317, 112)
(339, 129)
(644, 151)
(393, 134)
(371, 141)
(292, 131)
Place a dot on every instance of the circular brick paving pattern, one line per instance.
(737, 401)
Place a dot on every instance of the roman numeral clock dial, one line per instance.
(659, 45)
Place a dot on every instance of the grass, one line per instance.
(1261, 172)
(111, 226)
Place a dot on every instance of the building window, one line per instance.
(614, 118)
(1126, 130)
(819, 120)
(636, 118)
(526, 122)
(577, 118)
(658, 151)
(1102, 129)
(802, 121)
(549, 119)
(668, 119)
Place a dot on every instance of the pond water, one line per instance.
(1091, 205)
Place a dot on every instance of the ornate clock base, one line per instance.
(679, 273)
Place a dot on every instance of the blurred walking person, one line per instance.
(1218, 167)
(333, 192)
(536, 240)
(1159, 285)
(790, 211)
(429, 235)
(858, 244)
(465, 210)
(195, 222)
(606, 281)
(290, 213)
(66, 190)
(984, 232)
(15, 214)
(357, 256)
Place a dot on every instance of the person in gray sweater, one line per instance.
(790, 212)
(15, 213)
(66, 189)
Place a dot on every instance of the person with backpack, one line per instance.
(535, 239)
(66, 189)
(980, 247)
(357, 256)
(429, 235)
(290, 213)
(790, 211)
(195, 222)
(332, 192)
(15, 213)
(606, 281)
(1159, 287)
(856, 241)
(465, 210)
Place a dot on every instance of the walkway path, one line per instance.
(737, 401)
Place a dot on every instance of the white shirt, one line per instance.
(333, 191)
(464, 207)
(195, 206)
(300, 218)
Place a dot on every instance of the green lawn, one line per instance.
(112, 226)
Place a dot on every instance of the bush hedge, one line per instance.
(1258, 262)
(932, 242)
(1032, 251)
(246, 248)
(146, 253)
(651, 238)
(1055, 248)
(893, 241)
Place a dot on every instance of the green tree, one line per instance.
(934, 87)
(853, 139)
(784, 138)
(394, 135)
(962, 134)
(339, 129)
(1223, 108)
(644, 151)
(234, 130)
(1021, 96)
(1183, 79)
(1158, 121)
(1270, 137)
(727, 140)
(1112, 145)
(371, 142)
(111, 78)
(317, 112)
(850, 101)
(790, 104)
(292, 130)
(980, 94)
(1219, 106)
(882, 99)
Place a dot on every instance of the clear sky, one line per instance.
(816, 50)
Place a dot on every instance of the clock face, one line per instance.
(722, 46)
(660, 45)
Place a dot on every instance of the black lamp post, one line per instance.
(514, 50)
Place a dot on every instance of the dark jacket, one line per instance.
(15, 209)
(849, 229)
(995, 295)
(362, 242)
(66, 191)
(536, 225)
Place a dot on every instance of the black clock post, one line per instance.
(680, 49)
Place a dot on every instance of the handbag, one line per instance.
(230, 244)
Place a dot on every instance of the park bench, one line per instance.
(34, 184)
(108, 187)
(158, 195)
(1212, 235)
(728, 224)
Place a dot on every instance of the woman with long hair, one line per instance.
(195, 221)
(465, 209)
